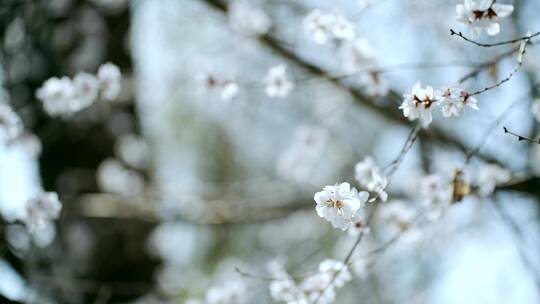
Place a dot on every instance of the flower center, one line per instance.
(337, 204)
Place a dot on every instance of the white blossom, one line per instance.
(481, 15)
(247, 19)
(114, 177)
(110, 80)
(133, 150)
(318, 288)
(417, 104)
(370, 176)
(338, 271)
(489, 176)
(453, 101)
(231, 292)
(338, 204)
(58, 96)
(285, 290)
(11, 126)
(319, 26)
(342, 28)
(277, 84)
(41, 210)
(86, 91)
(229, 91)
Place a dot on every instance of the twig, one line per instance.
(521, 137)
(526, 37)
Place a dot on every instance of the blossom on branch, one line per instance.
(481, 15)
(370, 176)
(277, 83)
(454, 100)
(339, 204)
(417, 104)
(11, 126)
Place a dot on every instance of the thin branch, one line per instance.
(521, 137)
(526, 37)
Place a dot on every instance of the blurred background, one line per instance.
(192, 177)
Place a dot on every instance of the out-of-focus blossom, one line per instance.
(338, 271)
(481, 15)
(114, 177)
(247, 19)
(319, 26)
(231, 292)
(133, 150)
(41, 210)
(58, 96)
(86, 89)
(454, 100)
(342, 28)
(11, 126)
(489, 176)
(110, 81)
(338, 204)
(370, 176)
(227, 89)
(277, 83)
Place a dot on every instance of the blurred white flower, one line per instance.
(86, 90)
(342, 28)
(284, 290)
(481, 15)
(319, 25)
(110, 80)
(318, 288)
(417, 104)
(58, 96)
(323, 26)
(114, 177)
(133, 150)
(247, 19)
(40, 210)
(370, 176)
(231, 292)
(535, 109)
(356, 55)
(277, 83)
(489, 176)
(11, 126)
(229, 91)
(338, 204)
(335, 269)
(453, 101)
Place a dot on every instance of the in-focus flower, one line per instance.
(110, 80)
(417, 104)
(481, 15)
(277, 84)
(338, 204)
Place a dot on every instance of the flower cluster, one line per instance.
(277, 83)
(319, 287)
(370, 176)
(324, 26)
(65, 96)
(419, 102)
(11, 126)
(340, 204)
(481, 15)
(41, 210)
(355, 53)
